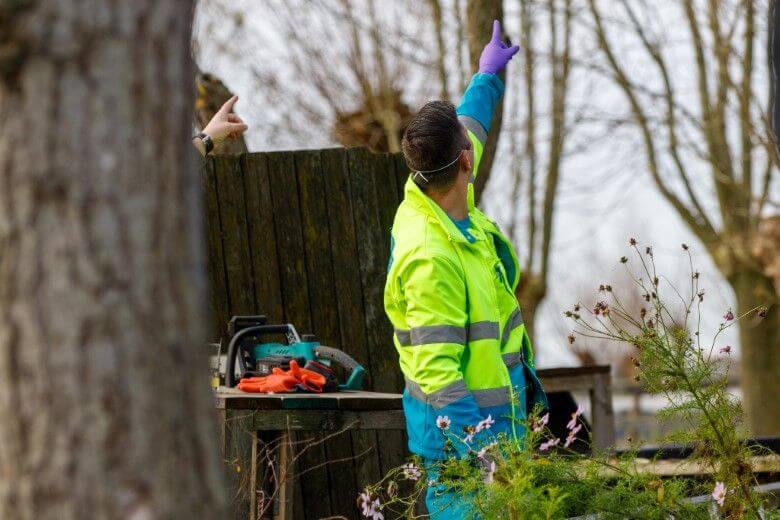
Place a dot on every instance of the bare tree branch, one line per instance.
(621, 78)
(438, 28)
(560, 77)
(527, 30)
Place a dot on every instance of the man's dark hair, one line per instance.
(434, 138)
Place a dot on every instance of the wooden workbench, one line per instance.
(280, 415)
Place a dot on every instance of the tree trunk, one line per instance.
(104, 398)
(530, 292)
(479, 26)
(760, 350)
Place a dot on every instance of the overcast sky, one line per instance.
(606, 194)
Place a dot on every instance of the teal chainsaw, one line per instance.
(255, 349)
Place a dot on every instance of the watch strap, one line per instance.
(207, 141)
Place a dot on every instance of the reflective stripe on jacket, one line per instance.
(459, 332)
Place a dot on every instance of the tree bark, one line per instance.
(530, 292)
(104, 399)
(759, 339)
(479, 27)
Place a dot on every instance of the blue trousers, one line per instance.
(444, 503)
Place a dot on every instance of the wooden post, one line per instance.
(285, 472)
(601, 409)
(253, 480)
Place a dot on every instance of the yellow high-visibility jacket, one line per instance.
(462, 344)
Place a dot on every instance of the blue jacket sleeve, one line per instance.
(479, 102)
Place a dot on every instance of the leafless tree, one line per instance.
(104, 407)
(708, 146)
(537, 156)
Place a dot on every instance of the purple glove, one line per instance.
(496, 54)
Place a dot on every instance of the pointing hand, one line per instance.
(496, 53)
(225, 124)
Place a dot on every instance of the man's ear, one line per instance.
(466, 162)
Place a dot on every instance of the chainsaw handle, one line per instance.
(336, 355)
(356, 371)
(234, 354)
(287, 328)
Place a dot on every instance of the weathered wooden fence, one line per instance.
(304, 237)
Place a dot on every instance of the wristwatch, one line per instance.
(207, 141)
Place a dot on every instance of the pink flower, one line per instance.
(549, 444)
(411, 471)
(539, 424)
(443, 422)
(574, 416)
(468, 438)
(728, 316)
(719, 493)
(485, 424)
(725, 350)
(572, 436)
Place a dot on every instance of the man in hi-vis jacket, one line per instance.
(450, 291)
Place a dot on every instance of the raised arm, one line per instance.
(478, 103)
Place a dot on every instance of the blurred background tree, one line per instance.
(710, 150)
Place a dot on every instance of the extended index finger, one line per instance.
(228, 105)
(496, 31)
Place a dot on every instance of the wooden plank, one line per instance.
(341, 472)
(349, 298)
(373, 246)
(289, 245)
(380, 195)
(401, 174)
(393, 445)
(262, 237)
(329, 420)
(602, 413)
(317, 245)
(344, 251)
(289, 239)
(384, 356)
(235, 399)
(215, 260)
(285, 500)
(254, 482)
(568, 383)
(574, 371)
(323, 315)
(262, 247)
(370, 252)
(692, 467)
(235, 240)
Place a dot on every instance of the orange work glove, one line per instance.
(309, 379)
(278, 382)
